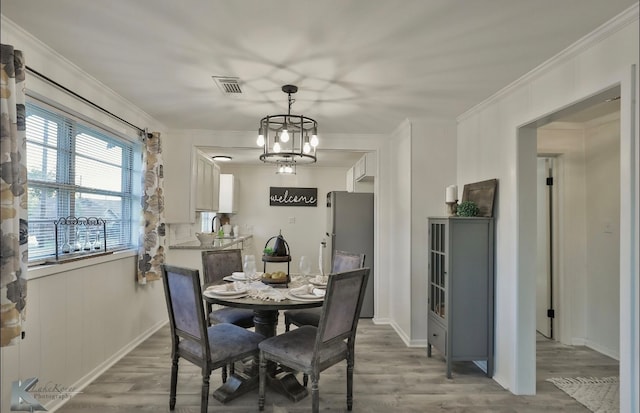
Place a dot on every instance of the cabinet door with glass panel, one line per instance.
(437, 270)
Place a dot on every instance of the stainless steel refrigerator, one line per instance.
(350, 229)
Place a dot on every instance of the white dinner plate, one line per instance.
(305, 297)
(236, 294)
(317, 283)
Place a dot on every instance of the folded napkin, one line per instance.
(222, 288)
(267, 294)
(307, 289)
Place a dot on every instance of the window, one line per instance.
(76, 170)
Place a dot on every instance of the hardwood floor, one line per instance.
(389, 377)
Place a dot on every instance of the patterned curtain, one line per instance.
(13, 190)
(151, 252)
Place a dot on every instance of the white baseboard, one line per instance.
(403, 336)
(104, 366)
(580, 341)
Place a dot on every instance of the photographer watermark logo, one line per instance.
(25, 396)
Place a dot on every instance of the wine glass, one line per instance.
(249, 267)
(97, 245)
(66, 246)
(305, 266)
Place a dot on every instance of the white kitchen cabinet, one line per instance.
(207, 183)
(228, 194)
(365, 168)
(350, 180)
(191, 181)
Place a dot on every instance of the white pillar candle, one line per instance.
(452, 193)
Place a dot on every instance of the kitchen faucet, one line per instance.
(213, 224)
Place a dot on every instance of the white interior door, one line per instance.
(543, 260)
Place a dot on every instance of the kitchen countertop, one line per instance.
(218, 244)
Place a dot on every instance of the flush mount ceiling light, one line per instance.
(286, 168)
(288, 140)
(221, 158)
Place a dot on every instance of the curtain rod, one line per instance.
(82, 98)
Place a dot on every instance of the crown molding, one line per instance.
(617, 23)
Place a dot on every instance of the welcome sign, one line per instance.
(285, 196)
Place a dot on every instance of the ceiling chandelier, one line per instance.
(288, 140)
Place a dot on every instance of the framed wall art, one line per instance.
(483, 194)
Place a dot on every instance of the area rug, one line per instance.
(598, 394)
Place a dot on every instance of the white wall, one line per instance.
(492, 144)
(81, 316)
(399, 220)
(433, 168)
(421, 164)
(603, 236)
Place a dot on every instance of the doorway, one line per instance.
(578, 214)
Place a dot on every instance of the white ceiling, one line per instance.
(362, 66)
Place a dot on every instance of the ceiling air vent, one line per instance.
(228, 85)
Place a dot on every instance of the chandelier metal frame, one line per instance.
(300, 148)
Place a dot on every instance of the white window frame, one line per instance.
(130, 187)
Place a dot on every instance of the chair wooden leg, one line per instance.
(204, 397)
(315, 393)
(261, 385)
(232, 368)
(224, 374)
(305, 379)
(349, 383)
(174, 383)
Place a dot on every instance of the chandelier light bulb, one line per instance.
(276, 147)
(306, 148)
(314, 140)
(260, 140)
(284, 135)
(287, 169)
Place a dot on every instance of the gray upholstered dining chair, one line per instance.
(215, 266)
(313, 349)
(208, 347)
(342, 261)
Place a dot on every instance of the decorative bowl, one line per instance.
(206, 238)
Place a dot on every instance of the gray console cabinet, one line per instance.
(461, 289)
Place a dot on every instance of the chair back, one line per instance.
(344, 261)
(342, 305)
(218, 264)
(184, 304)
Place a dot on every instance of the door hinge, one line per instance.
(551, 313)
(550, 181)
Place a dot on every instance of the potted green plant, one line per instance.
(468, 209)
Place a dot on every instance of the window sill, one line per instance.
(45, 270)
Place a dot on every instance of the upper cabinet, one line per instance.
(207, 183)
(228, 194)
(350, 179)
(365, 168)
(360, 176)
(191, 181)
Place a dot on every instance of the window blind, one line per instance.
(74, 170)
